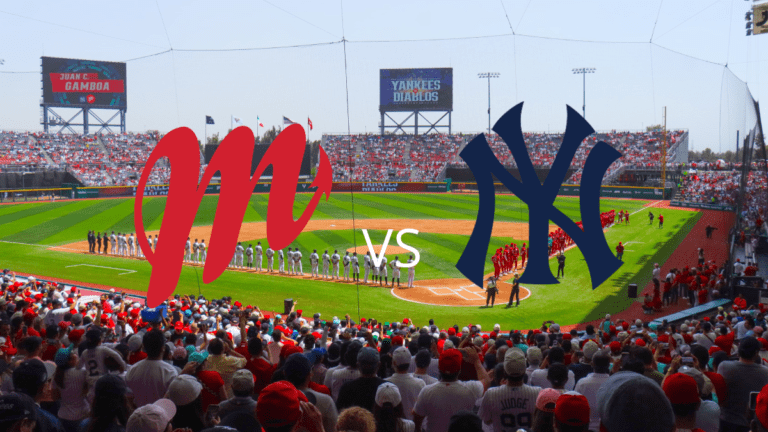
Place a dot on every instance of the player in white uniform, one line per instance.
(326, 261)
(281, 262)
(395, 265)
(270, 259)
(367, 265)
(259, 256)
(345, 262)
(196, 251)
(383, 270)
(149, 241)
(297, 259)
(113, 242)
(130, 245)
(510, 406)
(314, 259)
(355, 267)
(239, 255)
(290, 261)
(139, 252)
(335, 258)
(188, 250)
(119, 244)
(203, 253)
(411, 272)
(156, 241)
(125, 244)
(249, 254)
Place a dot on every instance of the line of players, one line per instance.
(118, 244)
(505, 259)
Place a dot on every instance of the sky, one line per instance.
(269, 59)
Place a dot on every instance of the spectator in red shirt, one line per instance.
(261, 369)
(213, 385)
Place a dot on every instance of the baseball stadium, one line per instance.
(360, 257)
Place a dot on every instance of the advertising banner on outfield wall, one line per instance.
(703, 206)
(618, 192)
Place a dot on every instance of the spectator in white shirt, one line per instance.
(150, 378)
(408, 386)
(540, 377)
(589, 385)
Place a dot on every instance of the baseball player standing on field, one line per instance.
(239, 255)
(105, 238)
(355, 268)
(335, 258)
(156, 241)
(259, 256)
(383, 270)
(281, 261)
(290, 261)
(297, 258)
(270, 259)
(314, 259)
(374, 272)
(188, 250)
(326, 260)
(367, 266)
(345, 262)
(139, 253)
(196, 251)
(395, 272)
(249, 253)
(149, 241)
(113, 241)
(204, 254)
(411, 272)
(98, 243)
(130, 245)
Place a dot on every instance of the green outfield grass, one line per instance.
(40, 224)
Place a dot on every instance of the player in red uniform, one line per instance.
(523, 255)
(620, 252)
(661, 221)
(496, 265)
(626, 218)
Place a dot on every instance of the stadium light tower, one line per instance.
(584, 72)
(489, 75)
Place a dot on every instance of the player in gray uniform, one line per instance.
(411, 272)
(239, 255)
(196, 251)
(346, 261)
(259, 256)
(113, 242)
(297, 259)
(203, 253)
(149, 241)
(383, 270)
(326, 261)
(249, 254)
(187, 250)
(355, 267)
(335, 258)
(395, 271)
(270, 259)
(290, 261)
(130, 246)
(156, 239)
(367, 265)
(314, 259)
(280, 262)
(139, 252)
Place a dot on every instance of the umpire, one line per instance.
(491, 291)
(515, 291)
(560, 264)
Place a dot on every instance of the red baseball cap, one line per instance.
(615, 347)
(681, 389)
(567, 336)
(279, 405)
(450, 361)
(76, 335)
(640, 342)
(451, 331)
(397, 340)
(179, 325)
(713, 349)
(572, 409)
(764, 342)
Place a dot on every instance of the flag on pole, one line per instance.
(237, 121)
(310, 123)
(287, 121)
(209, 120)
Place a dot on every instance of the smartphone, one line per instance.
(753, 400)
(663, 345)
(688, 361)
(212, 412)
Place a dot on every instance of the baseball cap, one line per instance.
(152, 417)
(589, 349)
(547, 399)
(628, 395)
(62, 356)
(401, 356)
(242, 381)
(278, 404)
(368, 355)
(388, 392)
(450, 361)
(514, 362)
(572, 409)
(198, 357)
(184, 389)
(15, 407)
(534, 354)
(681, 388)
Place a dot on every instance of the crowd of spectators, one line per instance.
(16, 148)
(109, 363)
(722, 187)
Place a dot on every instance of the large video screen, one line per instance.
(83, 83)
(416, 89)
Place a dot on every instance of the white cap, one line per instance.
(496, 327)
(134, 343)
(401, 356)
(448, 345)
(465, 330)
(184, 389)
(638, 322)
(388, 392)
(478, 327)
(152, 418)
(607, 316)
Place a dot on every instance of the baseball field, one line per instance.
(48, 240)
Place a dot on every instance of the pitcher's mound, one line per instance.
(391, 250)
